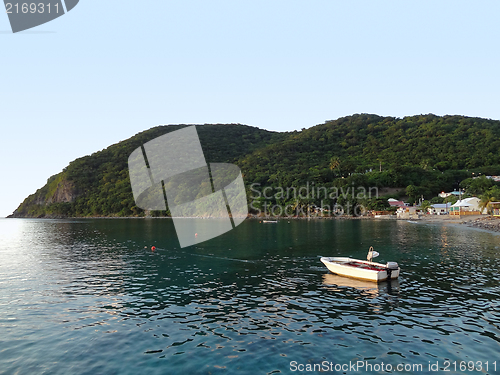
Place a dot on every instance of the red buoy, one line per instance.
(153, 248)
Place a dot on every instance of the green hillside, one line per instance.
(99, 185)
(363, 142)
(428, 153)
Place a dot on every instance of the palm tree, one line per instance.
(492, 195)
(334, 163)
(425, 205)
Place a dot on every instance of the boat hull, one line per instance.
(359, 269)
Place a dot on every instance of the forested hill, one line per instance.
(99, 184)
(362, 142)
(431, 153)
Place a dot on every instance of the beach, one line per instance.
(485, 222)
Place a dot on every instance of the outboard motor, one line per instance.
(391, 266)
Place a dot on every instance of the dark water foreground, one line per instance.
(86, 297)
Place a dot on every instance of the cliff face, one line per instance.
(65, 193)
(55, 194)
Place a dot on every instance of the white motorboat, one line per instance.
(362, 269)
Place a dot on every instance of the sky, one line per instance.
(110, 69)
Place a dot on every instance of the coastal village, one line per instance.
(461, 207)
(466, 206)
(475, 203)
(457, 207)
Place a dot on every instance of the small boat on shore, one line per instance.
(362, 269)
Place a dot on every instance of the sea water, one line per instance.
(89, 296)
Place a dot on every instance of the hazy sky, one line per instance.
(110, 69)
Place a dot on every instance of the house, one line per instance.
(467, 206)
(446, 195)
(495, 208)
(439, 209)
(395, 203)
(409, 212)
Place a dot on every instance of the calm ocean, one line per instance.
(87, 297)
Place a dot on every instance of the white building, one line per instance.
(467, 206)
(439, 209)
(446, 195)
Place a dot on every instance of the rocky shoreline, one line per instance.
(484, 222)
(490, 223)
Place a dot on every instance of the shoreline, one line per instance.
(483, 222)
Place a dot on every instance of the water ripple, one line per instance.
(90, 298)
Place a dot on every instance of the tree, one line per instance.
(451, 199)
(425, 205)
(477, 186)
(334, 164)
(492, 195)
(437, 200)
(377, 204)
(412, 191)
